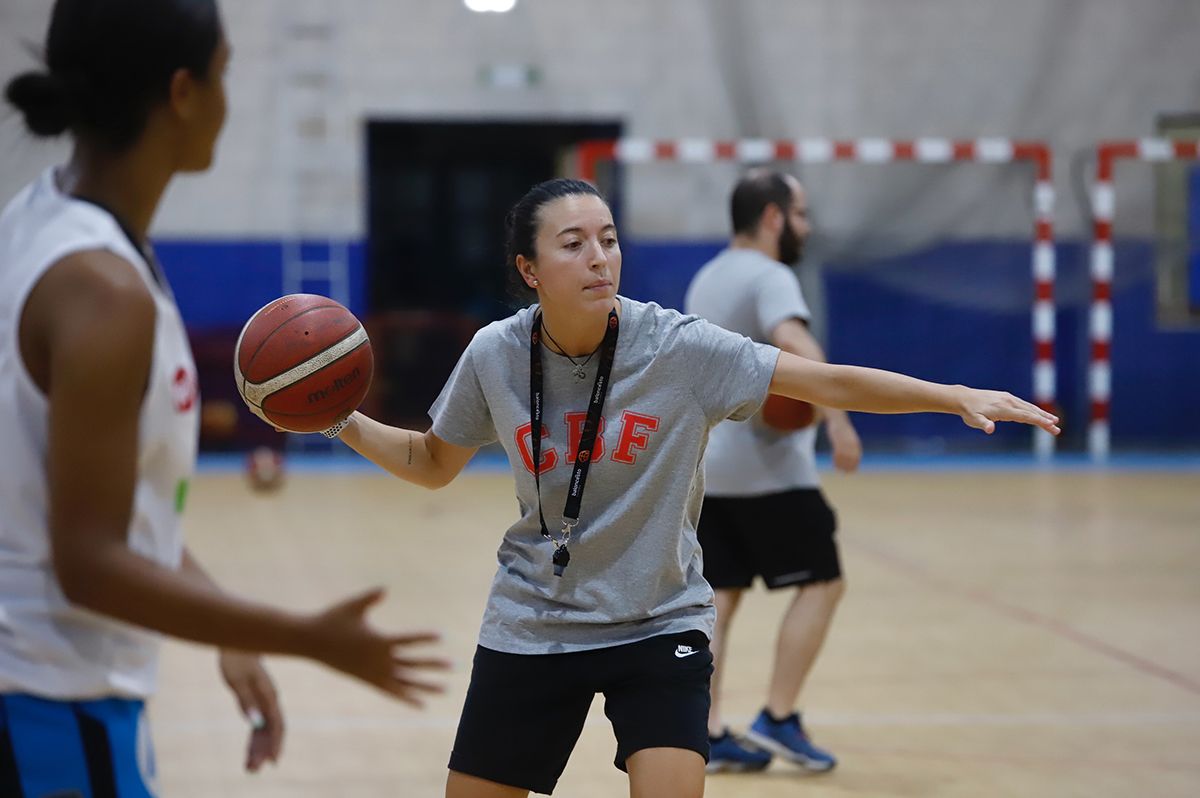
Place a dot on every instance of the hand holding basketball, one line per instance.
(981, 409)
(303, 363)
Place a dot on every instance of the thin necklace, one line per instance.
(579, 371)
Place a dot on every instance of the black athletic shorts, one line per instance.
(786, 538)
(524, 712)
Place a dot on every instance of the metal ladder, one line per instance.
(311, 115)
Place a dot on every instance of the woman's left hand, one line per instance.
(259, 703)
(981, 409)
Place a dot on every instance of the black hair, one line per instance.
(521, 224)
(108, 62)
(756, 190)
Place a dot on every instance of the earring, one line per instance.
(535, 282)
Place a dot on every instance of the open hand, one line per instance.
(345, 642)
(981, 409)
(259, 703)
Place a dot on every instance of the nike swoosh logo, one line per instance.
(682, 654)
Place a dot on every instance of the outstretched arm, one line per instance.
(418, 457)
(877, 391)
(91, 321)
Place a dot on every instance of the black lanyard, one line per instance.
(587, 442)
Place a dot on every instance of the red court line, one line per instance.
(1052, 625)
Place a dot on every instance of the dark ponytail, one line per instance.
(521, 226)
(45, 101)
(109, 62)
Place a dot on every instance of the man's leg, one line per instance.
(727, 752)
(727, 603)
(778, 727)
(801, 634)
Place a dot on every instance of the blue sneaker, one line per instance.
(788, 739)
(728, 754)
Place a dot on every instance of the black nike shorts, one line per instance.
(524, 712)
(786, 538)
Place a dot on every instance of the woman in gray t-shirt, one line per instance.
(599, 586)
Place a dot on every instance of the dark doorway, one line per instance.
(437, 195)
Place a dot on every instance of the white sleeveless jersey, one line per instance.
(49, 647)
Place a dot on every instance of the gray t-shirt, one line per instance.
(635, 567)
(746, 292)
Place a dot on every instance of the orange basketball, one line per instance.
(785, 413)
(303, 363)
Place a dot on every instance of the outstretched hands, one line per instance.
(981, 409)
(345, 642)
(340, 638)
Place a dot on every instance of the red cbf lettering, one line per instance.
(634, 427)
(575, 424)
(525, 447)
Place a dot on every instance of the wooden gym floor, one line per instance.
(1004, 634)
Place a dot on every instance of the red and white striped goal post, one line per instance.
(886, 150)
(1147, 150)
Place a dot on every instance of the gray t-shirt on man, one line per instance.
(635, 567)
(747, 292)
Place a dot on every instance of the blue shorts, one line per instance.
(74, 749)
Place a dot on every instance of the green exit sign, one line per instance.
(509, 76)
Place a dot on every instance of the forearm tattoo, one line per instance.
(410, 439)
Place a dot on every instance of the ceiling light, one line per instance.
(497, 6)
